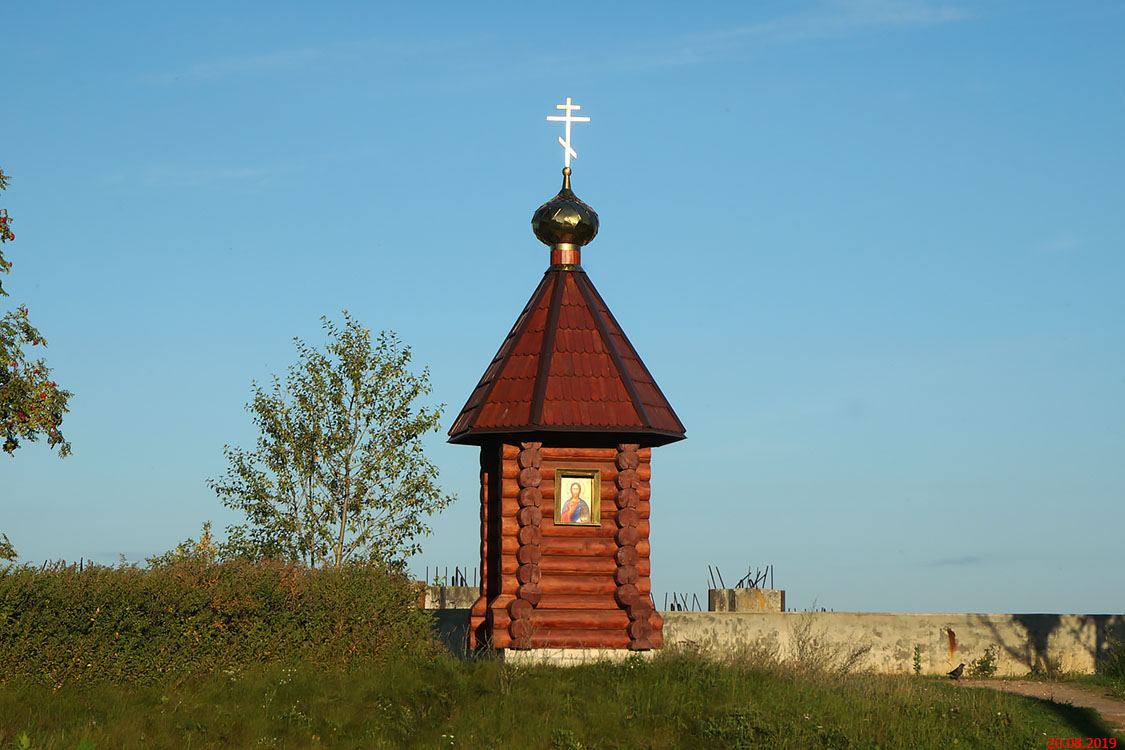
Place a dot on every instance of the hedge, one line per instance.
(60, 623)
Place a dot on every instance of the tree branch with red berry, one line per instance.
(31, 404)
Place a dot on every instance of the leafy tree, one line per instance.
(31, 404)
(338, 473)
(7, 551)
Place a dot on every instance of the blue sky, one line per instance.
(872, 251)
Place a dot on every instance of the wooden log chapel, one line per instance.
(566, 417)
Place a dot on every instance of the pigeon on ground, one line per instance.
(956, 673)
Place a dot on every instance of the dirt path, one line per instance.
(1111, 709)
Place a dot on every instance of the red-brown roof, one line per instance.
(566, 366)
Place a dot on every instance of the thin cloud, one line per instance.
(833, 19)
(842, 18)
(956, 562)
(168, 176)
(284, 61)
(372, 51)
(1061, 245)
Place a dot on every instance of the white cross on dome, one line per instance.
(568, 118)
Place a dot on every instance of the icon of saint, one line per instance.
(576, 510)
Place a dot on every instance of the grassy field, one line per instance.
(675, 701)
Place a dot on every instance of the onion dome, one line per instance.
(565, 223)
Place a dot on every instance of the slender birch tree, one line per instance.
(338, 472)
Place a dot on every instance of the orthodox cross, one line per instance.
(568, 150)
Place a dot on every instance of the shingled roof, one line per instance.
(567, 367)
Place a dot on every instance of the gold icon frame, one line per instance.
(589, 483)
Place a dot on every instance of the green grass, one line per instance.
(675, 701)
(1115, 686)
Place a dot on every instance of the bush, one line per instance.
(985, 666)
(1112, 663)
(61, 623)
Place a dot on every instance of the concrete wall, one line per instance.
(745, 600)
(450, 597)
(885, 642)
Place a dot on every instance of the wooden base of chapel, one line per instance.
(558, 585)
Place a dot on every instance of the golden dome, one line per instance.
(565, 221)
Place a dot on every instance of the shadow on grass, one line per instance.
(1086, 722)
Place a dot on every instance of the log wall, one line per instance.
(564, 586)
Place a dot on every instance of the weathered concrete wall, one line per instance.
(451, 597)
(885, 642)
(745, 600)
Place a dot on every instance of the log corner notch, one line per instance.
(530, 538)
(628, 596)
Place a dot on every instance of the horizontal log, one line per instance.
(499, 617)
(561, 583)
(577, 601)
(587, 545)
(608, 528)
(580, 564)
(589, 565)
(580, 619)
(547, 496)
(497, 605)
(508, 450)
(554, 583)
(579, 639)
(509, 528)
(608, 509)
(558, 453)
(511, 470)
(575, 545)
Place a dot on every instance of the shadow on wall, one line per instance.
(452, 628)
(1034, 650)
